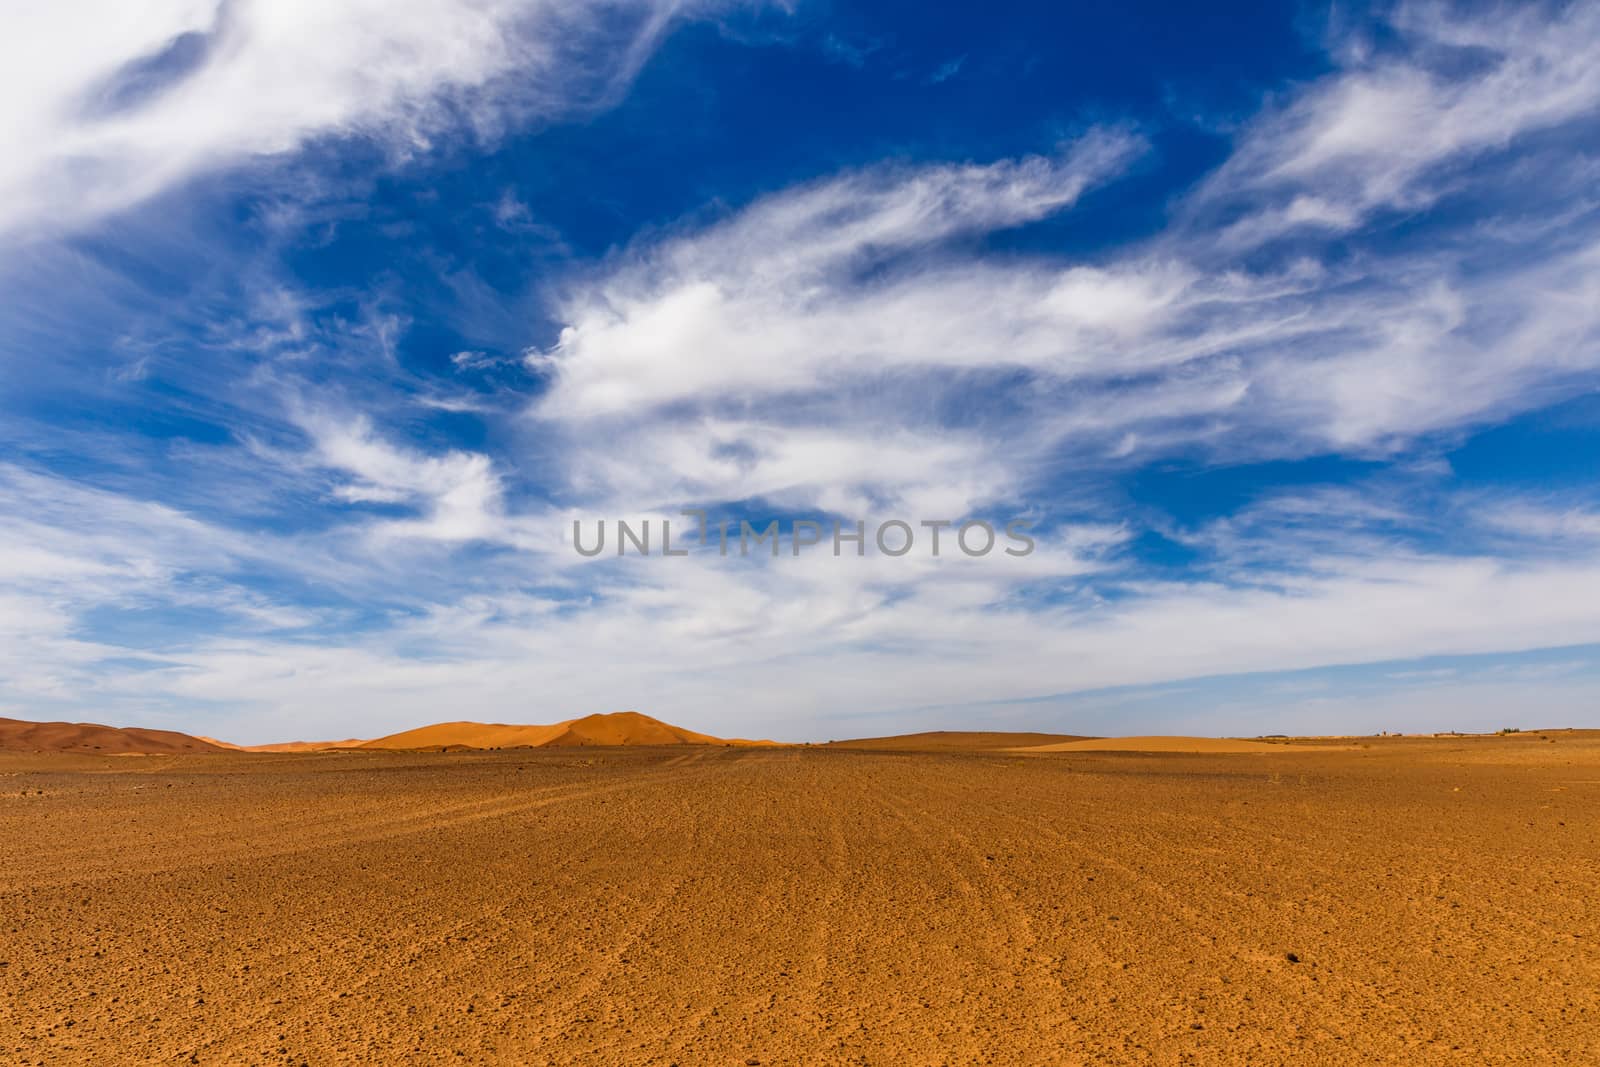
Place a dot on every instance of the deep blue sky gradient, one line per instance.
(176, 353)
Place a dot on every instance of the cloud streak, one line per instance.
(864, 306)
(117, 103)
(1392, 255)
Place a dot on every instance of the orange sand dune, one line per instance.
(1198, 745)
(289, 746)
(468, 735)
(616, 728)
(956, 740)
(19, 736)
(627, 728)
(307, 746)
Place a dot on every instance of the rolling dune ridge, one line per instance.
(606, 729)
(19, 736)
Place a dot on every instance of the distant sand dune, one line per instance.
(613, 729)
(602, 730)
(305, 746)
(19, 736)
(468, 735)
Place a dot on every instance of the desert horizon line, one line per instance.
(631, 728)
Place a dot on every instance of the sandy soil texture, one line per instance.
(1402, 901)
(955, 741)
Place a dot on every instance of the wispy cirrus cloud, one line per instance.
(866, 305)
(1393, 254)
(1395, 124)
(109, 105)
(802, 286)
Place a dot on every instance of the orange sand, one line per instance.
(1194, 745)
(1407, 901)
(86, 737)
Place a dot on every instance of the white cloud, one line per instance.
(459, 494)
(861, 310)
(795, 640)
(69, 551)
(856, 471)
(105, 104)
(852, 345)
(1384, 129)
(783, 647)
(777, 298)
(1542, 522)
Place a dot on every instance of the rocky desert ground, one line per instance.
(929, 901)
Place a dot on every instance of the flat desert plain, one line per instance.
(1402, 901)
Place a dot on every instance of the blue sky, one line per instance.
(324, 321)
